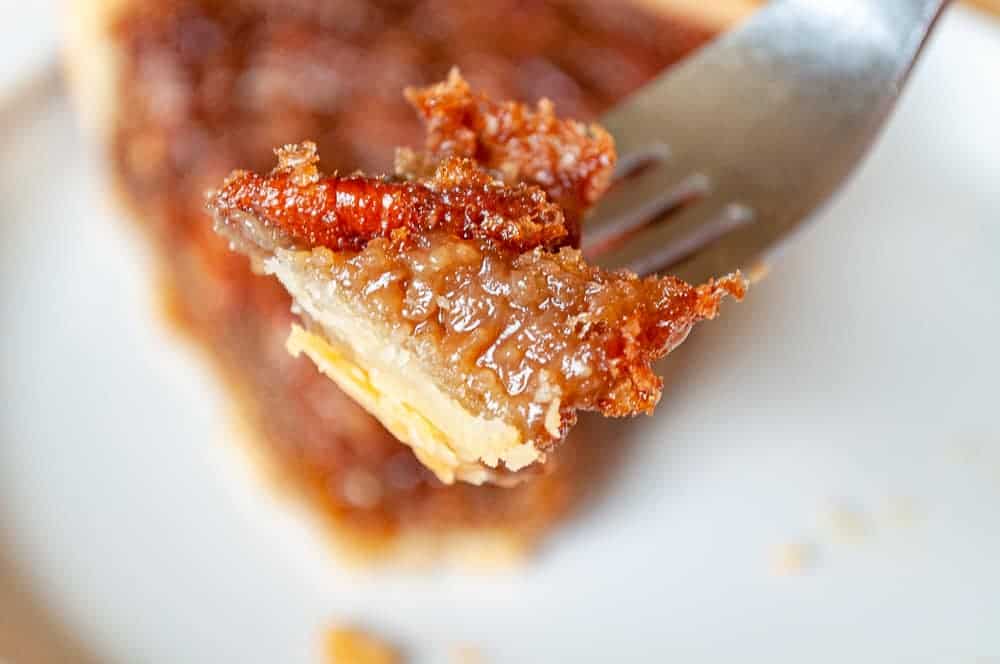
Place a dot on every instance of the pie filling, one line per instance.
(449, 305)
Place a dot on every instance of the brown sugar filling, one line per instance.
(206, 87)
(515, 336)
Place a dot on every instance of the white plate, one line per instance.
(864, 370)
(30, 36)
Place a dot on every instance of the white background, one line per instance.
(863, 373)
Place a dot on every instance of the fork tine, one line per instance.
(662, 245)
(639, 202)
(773, 116)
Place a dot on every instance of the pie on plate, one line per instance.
(181, 93)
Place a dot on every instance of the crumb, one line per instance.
(792, 558)
(847, 523)
(901, 511)
(352, 646)
(466, 655)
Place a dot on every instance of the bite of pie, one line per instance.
(448, 300)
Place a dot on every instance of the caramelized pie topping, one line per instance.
(466, 275)
(572, 161)
(344, 213)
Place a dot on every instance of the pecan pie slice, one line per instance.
(452, 306)
(178, 93)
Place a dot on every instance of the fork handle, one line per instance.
(904, 16)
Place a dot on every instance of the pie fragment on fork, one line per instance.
(448, 299)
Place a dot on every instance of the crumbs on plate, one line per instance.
(466, 654)
(792, 558)
(847, 523)
(353, 646)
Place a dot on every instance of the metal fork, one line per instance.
(726, 154)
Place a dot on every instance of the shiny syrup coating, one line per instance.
(520, 336)
(346, 212)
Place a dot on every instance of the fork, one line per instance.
(729, 152)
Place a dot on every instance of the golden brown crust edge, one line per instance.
(91, 63)
(714, 14)
(992, 6)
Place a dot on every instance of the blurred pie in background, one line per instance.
(181, 93)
